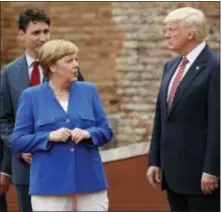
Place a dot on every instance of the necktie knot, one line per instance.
(35, 64)
(185, 61)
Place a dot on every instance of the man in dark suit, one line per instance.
(184, 156)
(5, 174)
(34, 29)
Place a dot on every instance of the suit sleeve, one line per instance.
(6, 160)
(24, 138)
(80, 76)
(102, 132)
(154, 152)
(212, 159)
(6, 110)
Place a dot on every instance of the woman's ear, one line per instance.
(53, 68)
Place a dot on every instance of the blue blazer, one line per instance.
(62, 168)
(14, 79)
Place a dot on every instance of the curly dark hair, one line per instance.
(32, 15)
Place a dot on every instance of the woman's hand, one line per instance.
(60, 135)
(78, 134)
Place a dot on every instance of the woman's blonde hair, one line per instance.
(192, 19)
(54, 50)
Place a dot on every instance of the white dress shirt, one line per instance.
(191, 57)
(64, 105)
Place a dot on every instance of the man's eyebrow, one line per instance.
(35, 31)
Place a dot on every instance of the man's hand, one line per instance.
(79, 134)
(5, 182)
(153, 175)
(209, 183)
(26, 157)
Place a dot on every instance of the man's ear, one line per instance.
(191, 35)
(21, 35)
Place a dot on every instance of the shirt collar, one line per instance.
(195, 52)
(29, 59)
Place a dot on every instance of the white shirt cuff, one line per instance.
(5, 174)
(210, 175)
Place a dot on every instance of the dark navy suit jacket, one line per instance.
(186, 140)
(5, 158)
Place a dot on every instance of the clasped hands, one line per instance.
(64, 134)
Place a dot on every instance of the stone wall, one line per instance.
(141, 61)
(122, 50)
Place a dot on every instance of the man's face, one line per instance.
(36, 34)
(176, 36)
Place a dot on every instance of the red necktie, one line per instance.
(176, 82)
(35, 75)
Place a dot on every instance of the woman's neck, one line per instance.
(59, 87)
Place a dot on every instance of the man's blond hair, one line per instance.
(191, 19)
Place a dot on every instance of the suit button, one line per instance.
(72, 149)
(67, 120)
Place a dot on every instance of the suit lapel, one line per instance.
(184, 87)
(22, 73)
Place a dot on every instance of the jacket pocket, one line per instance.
(46, 125)
(86, 121)
(45, 122)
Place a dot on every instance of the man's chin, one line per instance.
(170, 47)
(39, 46)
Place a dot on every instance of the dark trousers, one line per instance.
(24, 200)
(3, 203)
(194, 203)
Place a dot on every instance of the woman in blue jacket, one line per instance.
(62, 123)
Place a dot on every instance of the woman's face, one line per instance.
(66, 68)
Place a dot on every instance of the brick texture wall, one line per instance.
(122, 50)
